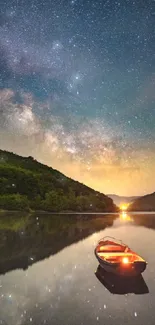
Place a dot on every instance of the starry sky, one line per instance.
(77, 89)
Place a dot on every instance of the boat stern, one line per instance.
(140, 266)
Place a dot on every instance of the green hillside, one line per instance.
(27, 184)
(144, 203)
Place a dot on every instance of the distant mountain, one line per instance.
(27, 184)
(118, 200)
(144, 203)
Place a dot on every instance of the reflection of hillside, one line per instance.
(24, 241)
(145, 220)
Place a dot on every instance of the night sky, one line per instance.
(77, 89)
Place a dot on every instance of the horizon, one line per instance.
(77, 90)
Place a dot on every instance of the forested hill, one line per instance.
(28, 184)
(144, 203)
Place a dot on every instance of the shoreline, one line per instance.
(74, 212)
(55, 212)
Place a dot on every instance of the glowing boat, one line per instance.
(116, 257)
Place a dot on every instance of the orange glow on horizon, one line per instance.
(124, 206)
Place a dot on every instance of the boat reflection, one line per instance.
(121, 286)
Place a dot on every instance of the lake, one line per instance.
(49, 273)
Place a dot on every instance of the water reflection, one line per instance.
(121, 286)
(124, 216)
(61, 287)
(26, 239)
(145, 220)
(140, 219)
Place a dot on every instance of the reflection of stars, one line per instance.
(77, 77)
(10, 13)
(57, 45)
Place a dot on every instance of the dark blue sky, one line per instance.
(77, 84)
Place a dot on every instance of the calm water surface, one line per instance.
(48, 271)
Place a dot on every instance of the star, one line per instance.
(77, 85)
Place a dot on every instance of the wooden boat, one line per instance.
(116, 257)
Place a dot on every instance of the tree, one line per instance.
(14, 202)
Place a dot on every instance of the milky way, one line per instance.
(77, 89)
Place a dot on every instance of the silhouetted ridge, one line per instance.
(144, 203)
